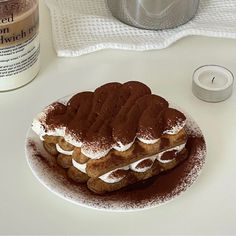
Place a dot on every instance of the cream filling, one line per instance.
(121, 147)
(148, 141)
(71, 140)
(177, 148)
(134, 165)
(81, 167)
(39, 128)
(97, 155)
(59, 149)
(108, 178)
(94, 155)
(175, 129)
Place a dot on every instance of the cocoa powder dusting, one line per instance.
(115, 113)
(47, 160)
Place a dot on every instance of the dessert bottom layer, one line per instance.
(140, 162)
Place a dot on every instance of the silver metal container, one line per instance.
(153, 14)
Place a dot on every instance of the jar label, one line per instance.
(19, 49)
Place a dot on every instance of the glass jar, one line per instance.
(19, 43)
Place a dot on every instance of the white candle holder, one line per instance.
(212, 83)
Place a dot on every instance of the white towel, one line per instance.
(84, 26)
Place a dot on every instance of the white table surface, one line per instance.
(27, 207)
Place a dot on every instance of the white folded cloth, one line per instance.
(84, 26)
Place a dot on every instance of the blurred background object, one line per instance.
(153, 14)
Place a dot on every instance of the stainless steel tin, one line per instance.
(153, 14)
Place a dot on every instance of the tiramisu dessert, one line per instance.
(116, 136)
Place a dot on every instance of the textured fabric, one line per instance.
(84, 26)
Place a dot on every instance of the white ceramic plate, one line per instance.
(152, 193)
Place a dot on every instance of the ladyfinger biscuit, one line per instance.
(79, 157)
(100, 187)
(64, 161)
(51, 139)
(50, 148)
(113, 160)
(65, 145)
(76, 175)
(172, 159)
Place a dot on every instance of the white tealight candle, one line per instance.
(212, 83)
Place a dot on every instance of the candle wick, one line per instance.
(212, 81)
